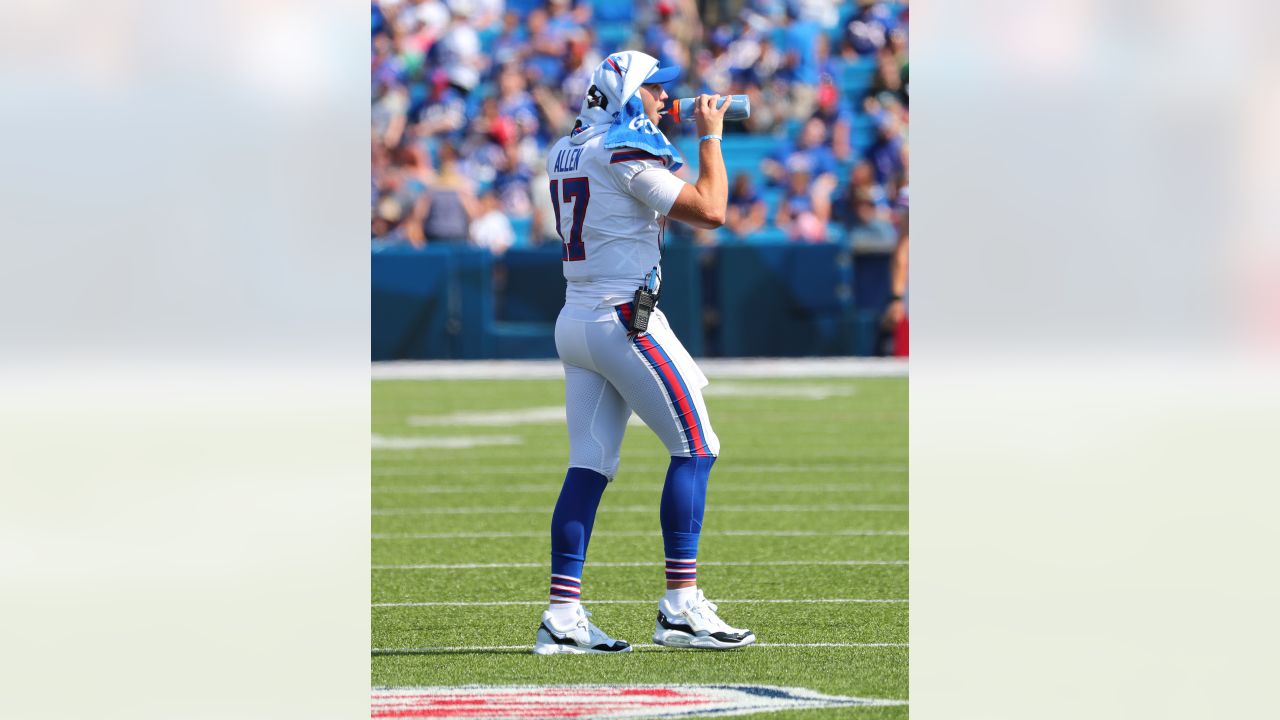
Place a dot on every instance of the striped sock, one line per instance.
(565, 589)
(682, 570)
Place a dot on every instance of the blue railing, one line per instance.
(760, 299)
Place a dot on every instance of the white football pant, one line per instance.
(607, 375)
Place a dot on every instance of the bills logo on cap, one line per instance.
(589, 702)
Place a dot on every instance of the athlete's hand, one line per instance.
(708, 114)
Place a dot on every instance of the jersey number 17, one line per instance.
(577, 191)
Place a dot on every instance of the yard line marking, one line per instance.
(810, 533)
(475, 470)
(493, 418)
(713, 563)
(650, 601)
(542, 510)
(490, 648)
(555, 487)
(714, 368)
(555, 414)
(805, 391)
(637, 533)
(453, 442)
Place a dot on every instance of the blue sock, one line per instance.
(571, 531)
(683, 498)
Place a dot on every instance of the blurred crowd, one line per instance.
(467, 95)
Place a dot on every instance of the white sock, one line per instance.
(564, 615)
(680, 598)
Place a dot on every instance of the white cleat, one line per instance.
(697, 626)
(581, 639)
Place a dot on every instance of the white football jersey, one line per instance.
(610, 208)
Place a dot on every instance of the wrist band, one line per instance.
(710, 137)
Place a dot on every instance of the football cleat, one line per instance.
(583, 638)
(697, 626)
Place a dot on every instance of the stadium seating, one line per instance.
(450, 301)
(613, 36)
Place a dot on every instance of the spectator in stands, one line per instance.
(809, 154)
(580, 62)
(897, 49)
(746, 212)
(678, 28)
(514, 100)
(512, 42)
(390, 96)
(868, 30)
(888, 75)
(445, 112)
(492, 229)
(459, 48)
(386, 230)
(802, 45)
(864, 231)
(836, 117)
(542, 59)
(885, 153)
(803, 213)
(512, 180)
(447, 207)
(862, 182)
(494, 86)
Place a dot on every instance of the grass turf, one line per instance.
(798, 479)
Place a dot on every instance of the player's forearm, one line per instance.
(713, 180)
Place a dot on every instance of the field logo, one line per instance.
(587, 702)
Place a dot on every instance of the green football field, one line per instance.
(805, 539)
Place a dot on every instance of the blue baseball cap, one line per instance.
(663, 75)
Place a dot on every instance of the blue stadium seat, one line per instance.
(862, 132)
(855, 78)
(524, 6)
(613, 36)
(613, 11)
(523, 228)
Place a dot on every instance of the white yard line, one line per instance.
(714, 368)
(780, 390)
(529, 648)
(623, 488)
(649, 601)
(547, 414)
(558, 470)
(637, 533)
(453, 442)
(711, 563)
(543, 510)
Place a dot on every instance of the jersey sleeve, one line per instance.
(647, 179)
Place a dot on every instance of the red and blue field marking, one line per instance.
(590, 702)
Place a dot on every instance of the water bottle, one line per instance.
(739, 108)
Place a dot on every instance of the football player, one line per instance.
(612, 190)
